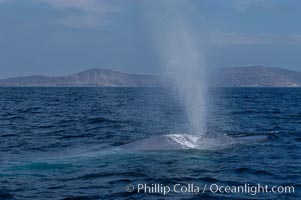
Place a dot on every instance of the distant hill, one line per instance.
(254, 76)
(92, 77)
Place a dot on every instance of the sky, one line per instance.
(61, 37)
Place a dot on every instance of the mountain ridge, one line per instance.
(92, 77)
(251, 76)
(258, 76)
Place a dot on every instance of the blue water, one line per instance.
(64, 143)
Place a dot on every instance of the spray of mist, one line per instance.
(185, 68)
(182, 61)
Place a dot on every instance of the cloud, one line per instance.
(78, 13)
(83, 13)
(259, 5)
(243, 5)
(258, 39)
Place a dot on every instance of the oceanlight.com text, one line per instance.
(191, 188)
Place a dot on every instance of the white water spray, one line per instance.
(185, 68)
(184, 65)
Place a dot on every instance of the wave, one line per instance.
(186, 141)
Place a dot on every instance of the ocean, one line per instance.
(66, 144)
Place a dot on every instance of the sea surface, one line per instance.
(66, 143)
